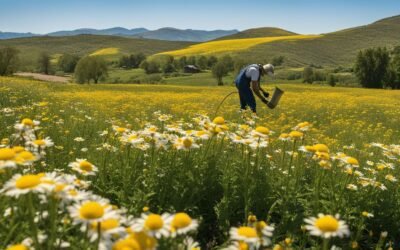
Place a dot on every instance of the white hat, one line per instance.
(269, 69)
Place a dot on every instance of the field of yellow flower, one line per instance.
(231, 45)
(154, 167)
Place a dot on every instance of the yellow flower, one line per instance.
(154, 222)
(262, 130)
(6, 154)
(321, 148)
(181, 220)
(91, 210)
(127, 244)
(28, 181)
(27, 122)
(247, 232)
(352, 161)
(296, 134)
(219, 120)
(17, 247)
(327, 226)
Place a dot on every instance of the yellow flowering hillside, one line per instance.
(105, 52)
(144, 167)
(232, 45)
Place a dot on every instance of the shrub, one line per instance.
(90, 68)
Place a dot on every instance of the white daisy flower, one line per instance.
(40, 143)
(7, 158)
(23, 184)
(327, 226)
(90, 211)
(182, 223)
(83, 167)
(185, 143)
(154, 225)
(246, 234)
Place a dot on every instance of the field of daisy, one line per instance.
(155, 167)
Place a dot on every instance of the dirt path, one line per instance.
(43, 77)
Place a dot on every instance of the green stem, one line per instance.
(32, 223)
(325, 245)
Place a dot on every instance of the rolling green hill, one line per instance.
(337, 48)
(258, 32)
(331, 49)
(30, 48)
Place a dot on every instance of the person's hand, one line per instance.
(264, 101)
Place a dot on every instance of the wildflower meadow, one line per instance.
(156, 167)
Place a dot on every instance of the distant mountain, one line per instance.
(9, 35)
(117, 31)
(188, 35)
(168, 34)
(259, 32)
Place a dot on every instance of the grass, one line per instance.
(105, 52)
(232, 45)
(259, 32)
(82, 45)
(153, 152)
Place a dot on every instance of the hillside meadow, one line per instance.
(114, 166)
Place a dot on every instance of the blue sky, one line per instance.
(302, 16)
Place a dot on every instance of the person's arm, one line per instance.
(255, 86)
(265, 93)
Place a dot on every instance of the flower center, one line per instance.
(91, 210)
(247, 232)
(187, 143)
(352, 161)
(262, 130)
(327, 223)
(27, 122)
(154, 222)
(39, 142)
(17, 247)
(86, 166)
(6, 154)
(106, 224)
(27, 181)
(126, 244)
(296, 134)
(219, 120)
(181, 220)
(26, 155)
(121, 130)
(321, 148)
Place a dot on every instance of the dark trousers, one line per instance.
(246, 97)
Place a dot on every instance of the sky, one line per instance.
(301, 16)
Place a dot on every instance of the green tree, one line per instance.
(278, 60)
(8, 61)
(67, 63)
(332, 80)
(228, 61)
(212, 60)
(150, 67)
(308, 75)
(393, 78)
(91, 68)
(219, 71)
(132, 61)
(44, 64)
(371, 67)
(191, 60)
(168, 65)
(182, 62)
(202, 62)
